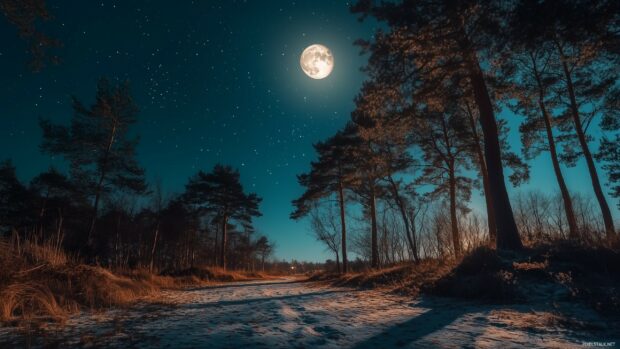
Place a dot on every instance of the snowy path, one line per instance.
(289, 314)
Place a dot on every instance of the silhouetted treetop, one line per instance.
(25, 15)
(101, 155)
(221, 193)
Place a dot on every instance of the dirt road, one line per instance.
(290, 314)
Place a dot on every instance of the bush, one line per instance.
(582, 258)
(481, 260)
(569, 271)
(493, 286)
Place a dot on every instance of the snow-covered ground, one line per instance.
(290, 314)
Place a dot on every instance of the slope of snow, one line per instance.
(290, 314)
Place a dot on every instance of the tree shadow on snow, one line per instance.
(438, 316)
(263, 299)
(245, 284)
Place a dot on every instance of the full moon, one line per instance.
(317, 61)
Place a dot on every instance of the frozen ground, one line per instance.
(290, 314)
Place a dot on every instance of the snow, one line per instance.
(287, 313)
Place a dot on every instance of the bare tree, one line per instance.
(326, 229)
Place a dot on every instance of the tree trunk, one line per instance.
(507, 232)
(99, 188)
(216, 243)
(412, 215)
(153, 248)
(456, 239)
(343, 227)
(485, 178)
(568, 203)
(374, 259)
(403, 213)
(224, 241)
(39, 225)
(384, 242)
(337, 262)
(117, 243)
(93, 218)
(262, 261)
(59, 229)
(596, 184)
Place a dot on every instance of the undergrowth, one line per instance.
(40, 282)
(561, 271)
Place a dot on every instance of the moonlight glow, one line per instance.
(317, 61)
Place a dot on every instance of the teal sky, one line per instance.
(216, 81)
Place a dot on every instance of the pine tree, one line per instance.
(433, 41)
(609, 150)
(97, 146)
(221, 193)
(442, 134)
(520, 169)
(332, 173)
(580, 33)
(264, 248)
(385, 134)
(528, 70)
(370, 171)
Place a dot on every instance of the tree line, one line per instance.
(103, 209)
(439, 74)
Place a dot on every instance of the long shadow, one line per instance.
(405, 333)
(258, 300)
(249, 284)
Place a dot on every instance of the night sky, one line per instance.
(215, 82)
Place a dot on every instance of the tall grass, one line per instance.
(38, 280)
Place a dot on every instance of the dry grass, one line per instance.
(40, 282)
(214, 274)
(404, 278)
(562, 271)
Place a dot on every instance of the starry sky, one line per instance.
(216, 82)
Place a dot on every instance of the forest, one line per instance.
(426, 132)
(104, 211)
(425, 191)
